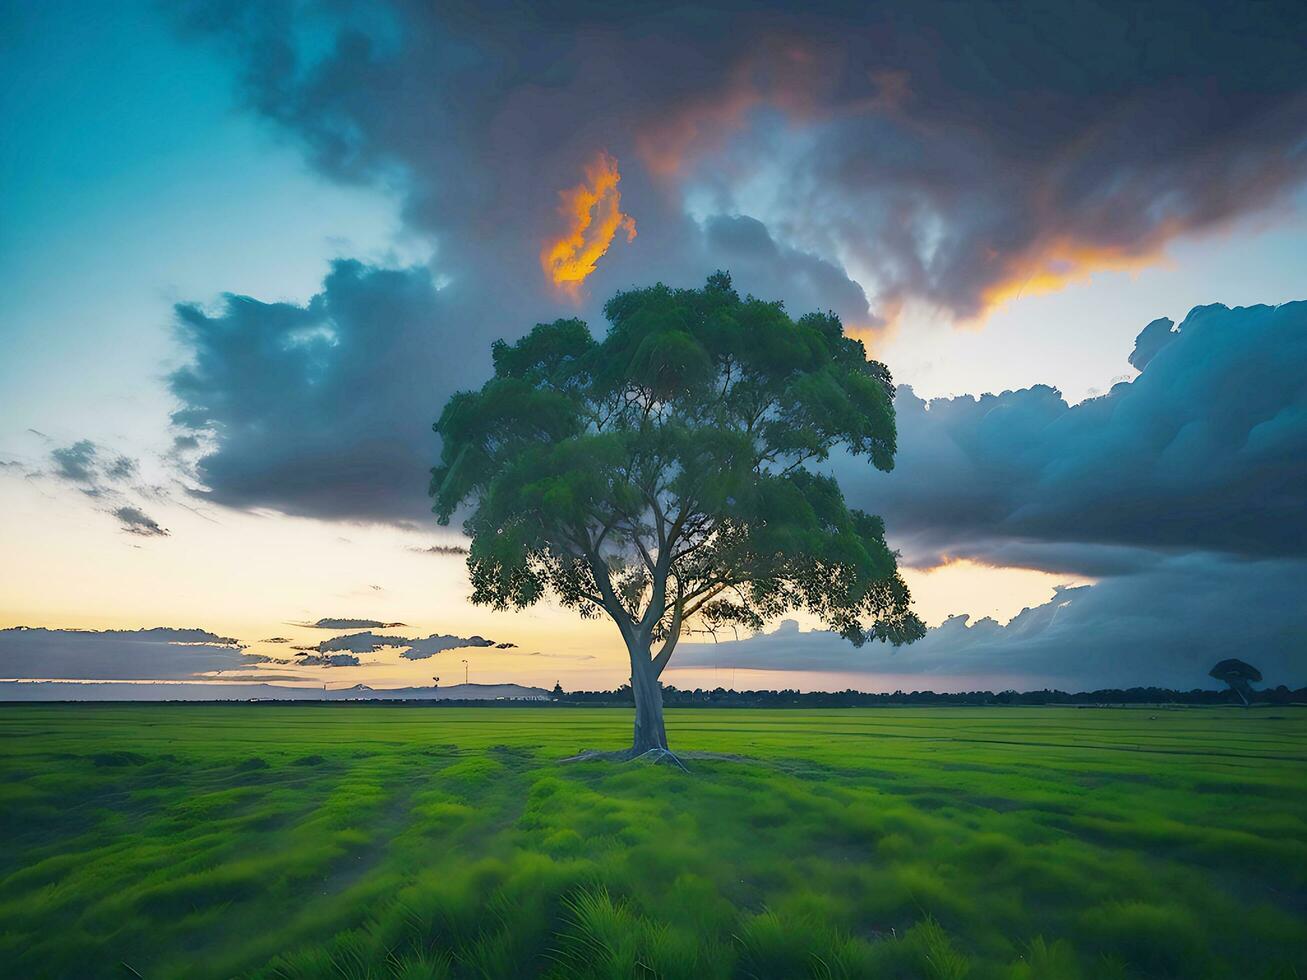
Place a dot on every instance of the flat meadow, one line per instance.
(357, 841)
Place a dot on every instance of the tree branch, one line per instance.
(715, 590)
(644, 552)
(611, 603)
(673, 634)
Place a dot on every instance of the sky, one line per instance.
(250, 249)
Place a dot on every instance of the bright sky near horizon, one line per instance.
(407, 188)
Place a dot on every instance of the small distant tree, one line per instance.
(664, 476)
(1239, 675)
(557, 693)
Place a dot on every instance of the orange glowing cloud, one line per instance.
(1052, 266)
(593, 213)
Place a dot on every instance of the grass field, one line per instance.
(362, 841)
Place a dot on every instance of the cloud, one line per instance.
(75, 462)
(760, 264)
(328, 659)
(158, 653)
(122, 468)
(1027, 164)
(367, 642)
(411, 648)
(1205, 450)
(325, 409)
(1180, 490)
(445, 550)
(831, 160)
(1151, 339)
(1077, 136)
(592, 212)
(166, 653)
(135, 521)
(110, 479)
(328, 623)
(1165, 626)
(86, 463)
(422, 649)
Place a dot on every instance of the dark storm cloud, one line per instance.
(1057, 136)
(953, 150)
(760, 265)
(161, 653)
(325, 409)
(1165, 626)
(950, 152)
(1205, 450)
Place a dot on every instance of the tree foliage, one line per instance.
(669, 475)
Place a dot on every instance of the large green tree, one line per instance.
(667, 476)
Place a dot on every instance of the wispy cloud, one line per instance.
(135, 521)
(334, 623)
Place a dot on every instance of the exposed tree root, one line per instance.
(595, 755)
(653, 757)
(660, 757)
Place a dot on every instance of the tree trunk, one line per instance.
(1243, 689)
(649, 730)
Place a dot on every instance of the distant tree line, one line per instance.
(721, 697)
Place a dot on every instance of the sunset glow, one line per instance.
(592, 211)
(1051, 267)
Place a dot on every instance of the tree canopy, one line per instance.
(669, 475)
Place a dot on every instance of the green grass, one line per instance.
(359, 841)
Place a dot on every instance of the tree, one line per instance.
(666, 476)
(1238, 675)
